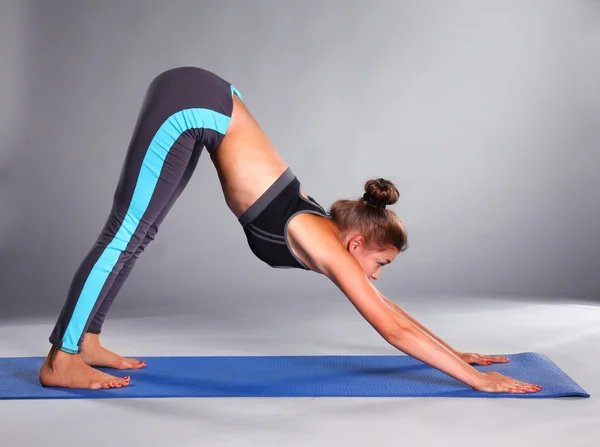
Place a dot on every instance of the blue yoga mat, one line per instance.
(290, 376)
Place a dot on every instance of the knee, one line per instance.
(150, 234)
(148, 237)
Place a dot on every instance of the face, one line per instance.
(371, 259)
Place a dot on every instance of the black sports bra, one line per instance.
(267, 232)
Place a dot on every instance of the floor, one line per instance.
(568, 333)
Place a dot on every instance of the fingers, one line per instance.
(489, 359)
(497, 359)
(481, 359)
(523, 388)
(518, 386)
(530, 387)
(497, 383)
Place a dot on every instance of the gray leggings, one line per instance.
(185, 110)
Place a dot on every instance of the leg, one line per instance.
(183, 107)
(148, 180)
(153, 167)
(98, 319)
(143, 191)
(93, 353)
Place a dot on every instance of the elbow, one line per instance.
(398, 331)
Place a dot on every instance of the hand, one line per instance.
(481, 359)
(497, 383)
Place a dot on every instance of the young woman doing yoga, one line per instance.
(185, 110)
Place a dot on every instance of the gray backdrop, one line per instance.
(485, 114)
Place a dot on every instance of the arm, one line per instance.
(319, 247)
(471, 358)
(404, 314)
(333, 260)
(395, 328)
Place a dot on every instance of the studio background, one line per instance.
(485, 115)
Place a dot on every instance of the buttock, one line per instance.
(265, 221)
(189, 100)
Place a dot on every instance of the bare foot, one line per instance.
(70, 371)
(94, 354)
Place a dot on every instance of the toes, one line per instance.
(125, 363)
(116, 382)
(135, 364)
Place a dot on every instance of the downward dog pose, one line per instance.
(188, 109)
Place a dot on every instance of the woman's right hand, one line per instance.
(494, 382)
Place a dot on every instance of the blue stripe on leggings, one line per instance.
(162, 142)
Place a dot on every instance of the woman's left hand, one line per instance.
(481, 359)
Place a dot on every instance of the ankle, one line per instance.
(57, 356)
(91, 338)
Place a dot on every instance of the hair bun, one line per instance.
(382, 191)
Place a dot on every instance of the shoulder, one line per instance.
(313, 238)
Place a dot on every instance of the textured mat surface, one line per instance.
(291, 376)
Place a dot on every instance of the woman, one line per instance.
(185, 110)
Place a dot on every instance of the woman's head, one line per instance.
(373, 234)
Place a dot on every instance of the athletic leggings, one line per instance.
(184, 110)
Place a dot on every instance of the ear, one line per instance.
(356, 243)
